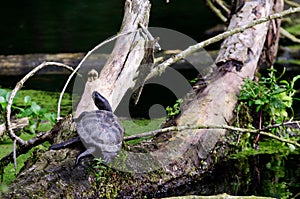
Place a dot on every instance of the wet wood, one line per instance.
(13, 65)
(19, 65)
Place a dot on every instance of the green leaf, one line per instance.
(3, 92)
(291, 147)
(268, 165)
(259, 102)
(27, 99)
(294, 80)
(50, 117)
(32, 128)
(26, 112)
(285, 82)
(2, 100)
(35, 108)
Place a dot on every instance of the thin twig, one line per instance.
(19, 85)
(185, 127)
(159, 69)
(216, 10)
(289, 36)
(79, 65)
(292, 3)
(15, 156)
(227, 127)
(223, 5)
(37, 140)
(279, 138)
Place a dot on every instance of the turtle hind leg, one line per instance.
(65, 144)
(87, 152)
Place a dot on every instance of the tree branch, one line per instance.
(19, 85)
(162, 67)
(79, 65)
(18, 123)
(289, 35)
(216, 10)
(39, 139)
(227, 127)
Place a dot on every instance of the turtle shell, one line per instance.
(101, 132)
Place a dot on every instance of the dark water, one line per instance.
(52, 26)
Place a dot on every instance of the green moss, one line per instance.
(137, 126)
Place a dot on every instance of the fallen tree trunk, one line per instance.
(17, 65)
(181, 161)
(12, 65)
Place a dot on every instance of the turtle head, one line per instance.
(101, 102)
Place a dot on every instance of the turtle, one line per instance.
(100, 131)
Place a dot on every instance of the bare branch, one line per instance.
(162, 67)
(38, 139)
(79, 65)
(227, 127)
(289, 35)
(18, 86)
(216, 10)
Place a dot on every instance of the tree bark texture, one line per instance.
(185, 159)
(118, 74)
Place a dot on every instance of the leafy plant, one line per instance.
(270, 99)
(36, 114)
(269, 96)
(4, 97)
(175, 110)
(30, 109)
